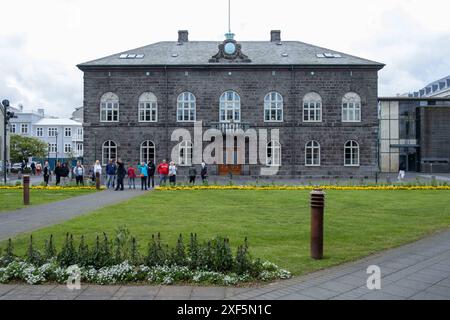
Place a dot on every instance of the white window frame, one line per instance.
(273, 103)
(39, 132)
(312, 147)
(52, 131)
(52, 148)
(67, 132)
(227, 106)
(24, 128)
(79, 147)
(312, 103)
(185, 150)
(147, 145)
(108, 146)
(67, 147)
(275, 147)
(148, 103)
(109, 104)
(351, 105)
(13, 128)
(186, 105)
(353, 146)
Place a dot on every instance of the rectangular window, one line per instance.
(67, 148)
(80, 147)
(13, 128)
(24, 128)
(39, 132)
(312, 112)
(67, 132)
(109, 112)
(148, 112)
(52, 147)
(351, 112)
(52, 132)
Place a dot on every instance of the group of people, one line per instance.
(116, 173)
(62, 173)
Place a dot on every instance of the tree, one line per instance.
(23, 148)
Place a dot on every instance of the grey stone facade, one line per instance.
(252, 82)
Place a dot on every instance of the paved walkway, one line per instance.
(420, 270)
(35, 217)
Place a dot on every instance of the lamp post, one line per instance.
(7, 115)
(56, 147)
(95, 146)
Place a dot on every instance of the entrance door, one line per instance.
(225, 169)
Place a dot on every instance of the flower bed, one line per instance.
(51, 188)
(325, 187)
(120, 262)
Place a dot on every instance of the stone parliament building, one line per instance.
(323, 102)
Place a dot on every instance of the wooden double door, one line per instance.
(234, 168)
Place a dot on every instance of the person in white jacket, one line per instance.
(97, 173)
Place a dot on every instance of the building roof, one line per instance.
(57, 122)
(198, 53)
(438, 88)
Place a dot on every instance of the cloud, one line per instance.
(35, 82)
(40, 46)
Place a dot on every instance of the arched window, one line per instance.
(109, 151)
(351, 107)
(230, 107)
(351, 153)
(312, 153)
(147, 151)
(109, 107)
(185, 152)
(312, 107)
(186, 107)
(273, 153)
(273, 107)
(148, 107)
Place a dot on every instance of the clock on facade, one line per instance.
(230, 48)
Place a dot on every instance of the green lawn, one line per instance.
(277, 223)
(13, 199)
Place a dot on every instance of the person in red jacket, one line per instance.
(163, 170)
(131, 172)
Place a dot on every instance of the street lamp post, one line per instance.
(56, 147)
(6, 116)
(95, 146)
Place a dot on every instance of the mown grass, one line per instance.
(277, 223)
(13, 199)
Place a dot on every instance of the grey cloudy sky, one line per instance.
(42, 41)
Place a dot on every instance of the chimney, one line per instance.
(275, 36)
(183, 36)
(41, 112)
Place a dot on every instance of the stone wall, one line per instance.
(207, 84)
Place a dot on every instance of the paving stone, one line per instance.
(440, 290)
(5, 288)
(295, 296)
(21, 297)
(318, 293)
(137, 291)
(212, 292)
(337, 286)
(424, 295)
(399, 291)
(176, 291)
(413, 284)
(377, 295)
